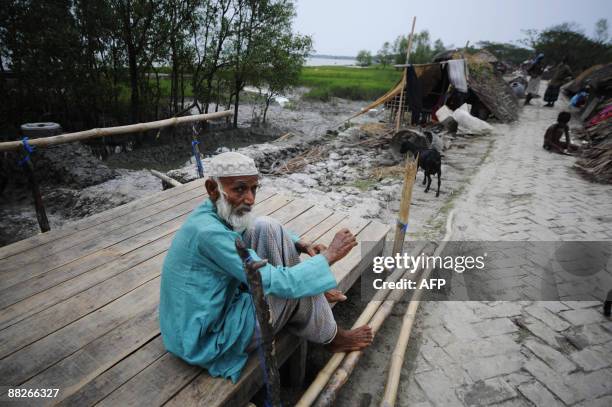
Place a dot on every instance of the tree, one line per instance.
(438, 47)
(364, 58)
(601, 30)
(581, 51)
(507, 52)
(421, 52)
(285, 57)
(384, 54)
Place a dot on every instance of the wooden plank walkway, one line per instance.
(78, 305)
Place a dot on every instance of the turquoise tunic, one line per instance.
(205, 318)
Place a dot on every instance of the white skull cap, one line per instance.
(231, 164)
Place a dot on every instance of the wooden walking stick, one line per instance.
(266, 334)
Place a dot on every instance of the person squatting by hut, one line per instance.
(535, 72)
(206, 314)
(552, 137)
(560, 76)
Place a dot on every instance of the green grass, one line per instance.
(348, 82)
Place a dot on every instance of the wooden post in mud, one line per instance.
(404, 79)
(266, 337)
(404, 211)
(41, 214)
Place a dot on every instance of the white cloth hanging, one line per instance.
(457, 74)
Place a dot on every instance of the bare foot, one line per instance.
(351, 340)
(334, 295)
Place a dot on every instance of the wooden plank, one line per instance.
(56, 317)
(107, 382)
(121, 243)
(73, 372)
(20, 366)
(292, 210)
(23, 304)
(271, 205)
(214, 391)
(122, 223)
(94, 220)
(323, 227)
(308, 220)
(154, 385)
(348, 270)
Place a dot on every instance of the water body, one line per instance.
(326, 61)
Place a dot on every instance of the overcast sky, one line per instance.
(343, 27)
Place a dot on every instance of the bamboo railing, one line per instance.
(113, 131)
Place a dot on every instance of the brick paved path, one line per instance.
(519, 353)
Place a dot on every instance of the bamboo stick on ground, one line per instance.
(165, 178)
(328, 370)
(113, 131)
(341, 375)
(397, 357)
(335, 383)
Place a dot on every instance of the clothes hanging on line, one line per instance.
(457, 74)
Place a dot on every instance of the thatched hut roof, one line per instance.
(598, 76)
(492, 90)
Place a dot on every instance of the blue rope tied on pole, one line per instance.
(403, 226)
(29, 150)
(198, 160)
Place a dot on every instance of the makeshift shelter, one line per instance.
(596, 157)
(486, 90)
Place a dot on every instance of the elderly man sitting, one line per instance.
(207, 317)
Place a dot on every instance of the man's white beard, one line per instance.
(226, 212)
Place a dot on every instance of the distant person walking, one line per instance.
(535, 72)
(561, 74)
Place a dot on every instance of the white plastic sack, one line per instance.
(469, 124)
(443, 113)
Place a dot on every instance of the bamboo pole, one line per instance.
(341, 375)
(113, 131)
(404, 211)
(165, 178)
(310, 395)
(397, 357)
(399, 112)
(262, 311)
(339, 378)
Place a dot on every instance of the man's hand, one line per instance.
(309, 248)
(342, 244)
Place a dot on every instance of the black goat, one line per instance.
(430, 160)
